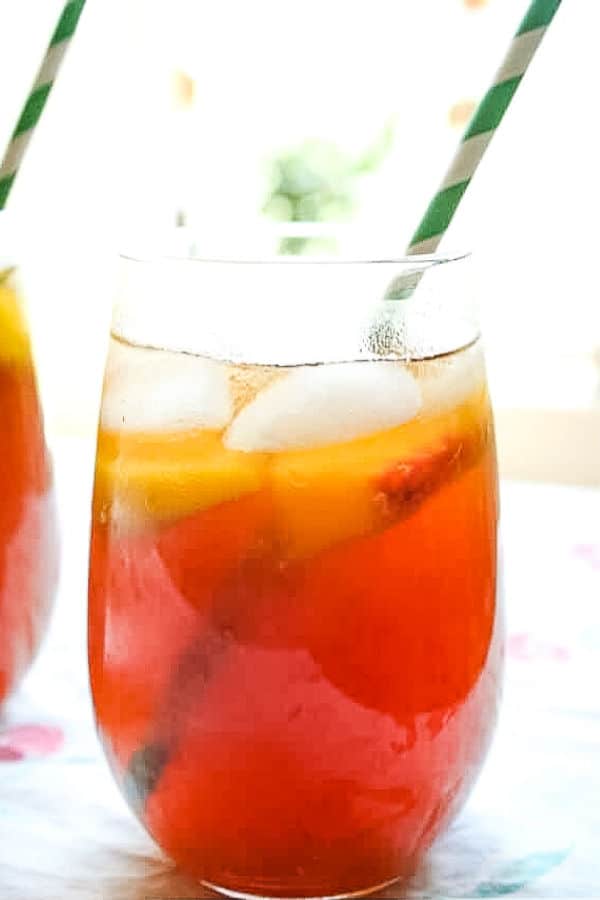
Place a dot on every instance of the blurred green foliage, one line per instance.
(318, 182)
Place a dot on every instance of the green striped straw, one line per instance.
(30, 115)
(482, 127)
(474, 143)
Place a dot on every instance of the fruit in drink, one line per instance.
(295, 646)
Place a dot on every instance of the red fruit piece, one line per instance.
(199, 551)
(150, 600)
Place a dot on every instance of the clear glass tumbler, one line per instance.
(28, 528)
(294, 637)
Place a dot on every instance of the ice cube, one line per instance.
(450, 380)
(326, 404)
(147, 390)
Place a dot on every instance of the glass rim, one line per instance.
(317, 308)
(430, 259)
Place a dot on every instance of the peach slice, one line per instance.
(162, 476)
(326, 495)
(14, 338)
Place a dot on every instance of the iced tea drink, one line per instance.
(294, 639)
(28, 552)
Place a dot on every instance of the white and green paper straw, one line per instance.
(38, 95)
(482, 127)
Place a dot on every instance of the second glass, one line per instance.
(28, 526)
(294, 637)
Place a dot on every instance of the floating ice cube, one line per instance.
(155, 389)
(450, 380)
(325, 404)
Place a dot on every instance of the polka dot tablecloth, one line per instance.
(530, 829)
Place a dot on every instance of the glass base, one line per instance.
(347, 895)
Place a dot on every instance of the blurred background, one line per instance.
(228, 116)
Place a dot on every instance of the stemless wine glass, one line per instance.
(294, 637)
(28, 533)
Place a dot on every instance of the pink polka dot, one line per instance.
(590, 553)
(29, 740)
(526, 648)
(10, 754)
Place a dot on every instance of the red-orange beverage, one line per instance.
(28, 558)
(294, 639)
